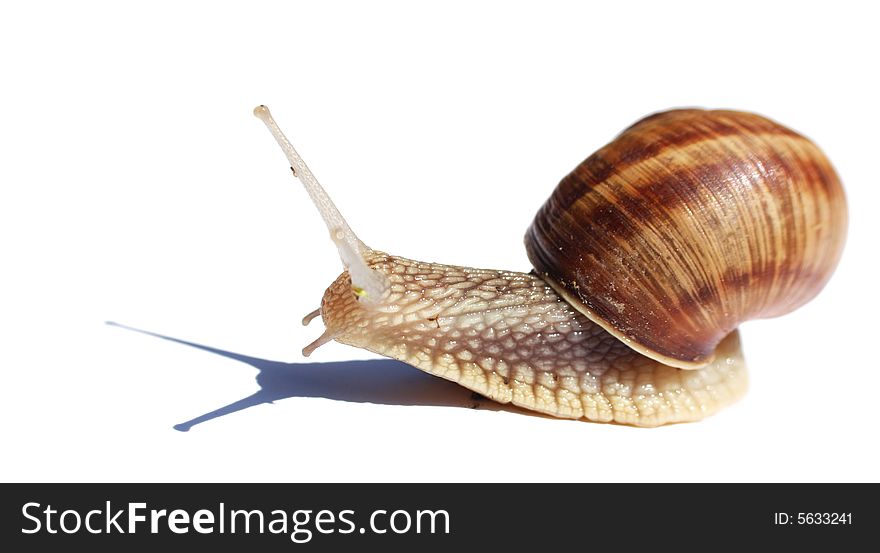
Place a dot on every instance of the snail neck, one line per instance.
(431, 307)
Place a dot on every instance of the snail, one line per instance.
(647, 257)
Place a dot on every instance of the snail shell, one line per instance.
(686, 225)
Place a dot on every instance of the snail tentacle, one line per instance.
(370, 286)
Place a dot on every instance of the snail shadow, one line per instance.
(378, 381)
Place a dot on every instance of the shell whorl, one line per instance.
(688, 224)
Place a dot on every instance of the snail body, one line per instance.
(592, 333)
(511, 338)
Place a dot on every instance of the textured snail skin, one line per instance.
(688, 224)
(511, 338)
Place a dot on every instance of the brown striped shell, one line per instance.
(689, 223)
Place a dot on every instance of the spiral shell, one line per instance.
(686, 225)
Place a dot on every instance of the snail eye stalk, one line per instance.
(370, 286)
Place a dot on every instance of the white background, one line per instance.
(138, 188)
